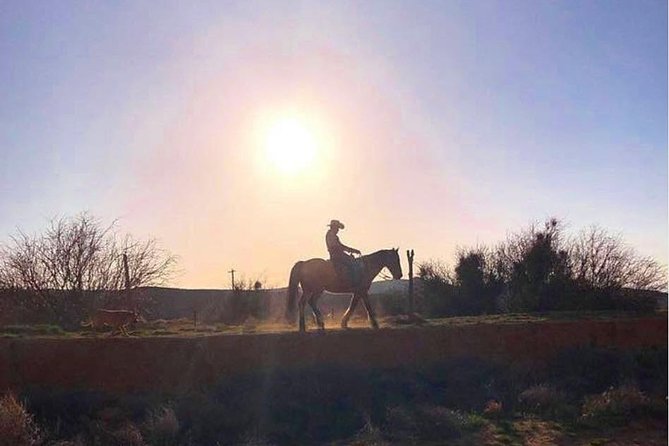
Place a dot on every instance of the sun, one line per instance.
(290, 145)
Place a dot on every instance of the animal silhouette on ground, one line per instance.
(118, 320)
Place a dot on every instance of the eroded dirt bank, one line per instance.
(176, 365)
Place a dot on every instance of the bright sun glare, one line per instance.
(290, 145)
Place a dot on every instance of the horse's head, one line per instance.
(393, 263)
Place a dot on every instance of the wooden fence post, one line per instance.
(411, 299)
(128, 298)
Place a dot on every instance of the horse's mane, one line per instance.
(375, 253)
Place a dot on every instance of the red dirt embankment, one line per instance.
(176, 365)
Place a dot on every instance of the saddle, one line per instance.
(349, 271)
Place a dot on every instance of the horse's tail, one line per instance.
(293, 282)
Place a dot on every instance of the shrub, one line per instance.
(493, 409)
(616, 405)
(478, 280)
(57, 272)
(545, 400)
(100, 433)
(438, 291)
(17, 426)
(128, 435)
(429, 422)
(369, 435)
(162, 427)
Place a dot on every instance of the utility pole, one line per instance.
(411, 300)
(232, 273)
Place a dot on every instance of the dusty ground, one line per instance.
(187, 327)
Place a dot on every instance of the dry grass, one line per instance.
(545, 400)
(185, 327)
(616, 405)
(17, 426)
(162, 427)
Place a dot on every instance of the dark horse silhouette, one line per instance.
(318, 275)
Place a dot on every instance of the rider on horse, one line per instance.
(339, 252)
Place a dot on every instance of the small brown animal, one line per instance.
(116, 319)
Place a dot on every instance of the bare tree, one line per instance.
(517, 245)
(54, 270)
(435, 271)
(603, 261)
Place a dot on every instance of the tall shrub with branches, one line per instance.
(438, 296)
(545, 269)
(478, 280)
(609, 273)
(603, 261)
(54, 271)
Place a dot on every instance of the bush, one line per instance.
(428, 422)
(161, 427)
(127, 435)
(17, 426)
(57, 272)
(345, 405)
(438, 292)
(541, 268)
(545, 400)
(478, 282)
(616, 405)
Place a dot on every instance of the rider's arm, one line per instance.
(349, 249)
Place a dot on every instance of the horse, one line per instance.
(318, 275)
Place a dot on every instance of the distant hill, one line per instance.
(212, 304)
(224, 305)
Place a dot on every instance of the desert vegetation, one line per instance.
(458, 401)
(57, 275)
(543, 268)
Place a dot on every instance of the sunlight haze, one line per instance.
(235, 131)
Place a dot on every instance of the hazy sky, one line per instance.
(436, 124)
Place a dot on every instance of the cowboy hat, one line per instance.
(336, 224)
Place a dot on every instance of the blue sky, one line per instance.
(450, 123)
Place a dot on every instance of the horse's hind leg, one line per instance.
(313, 302)
(350, 310)
(370, 311)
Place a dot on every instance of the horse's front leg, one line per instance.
(370, 311)
(350, 310)
(313, 303)
(301, 304)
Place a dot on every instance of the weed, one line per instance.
(616, 405)
(161, 427)
(17, 426)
